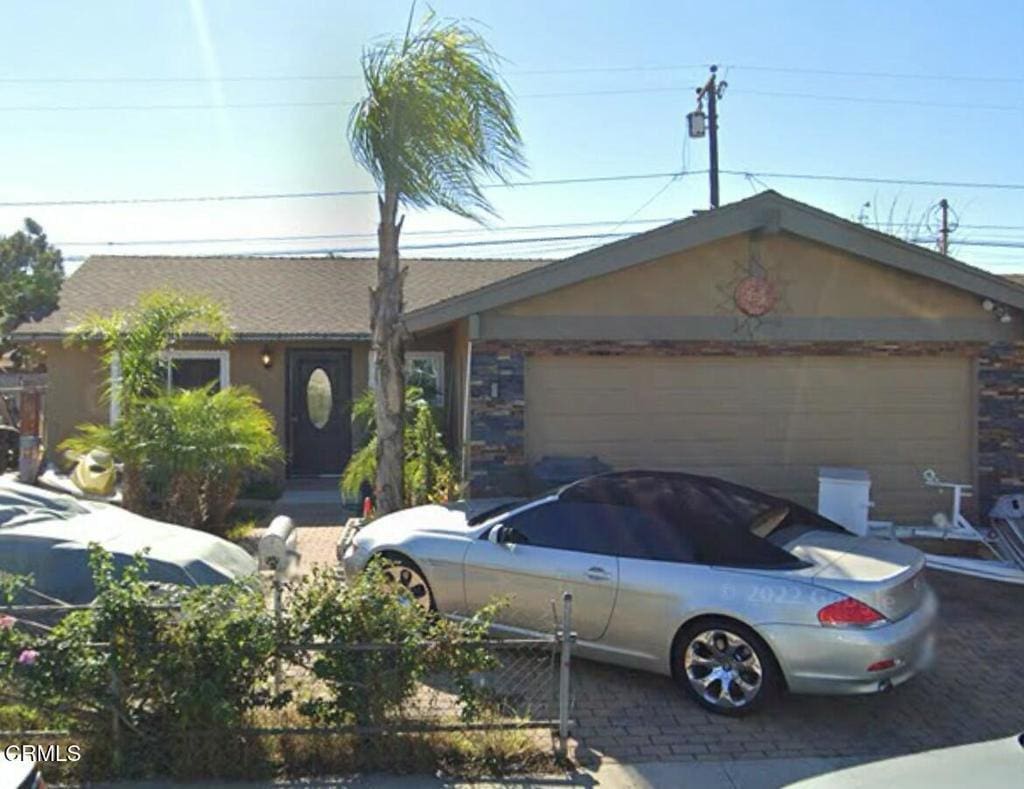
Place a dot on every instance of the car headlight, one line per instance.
(353, 551)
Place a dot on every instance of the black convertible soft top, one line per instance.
(714, 514)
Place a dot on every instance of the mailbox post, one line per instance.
(30, 452)
(278, 552)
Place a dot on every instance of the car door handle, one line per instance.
(598, 574)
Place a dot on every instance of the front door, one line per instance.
(319, 401)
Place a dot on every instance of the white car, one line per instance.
(995, 764)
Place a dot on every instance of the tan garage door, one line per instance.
(766, 422)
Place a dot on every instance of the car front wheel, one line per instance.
(724, 666)
(409, 582)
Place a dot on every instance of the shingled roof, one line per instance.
(267, 298)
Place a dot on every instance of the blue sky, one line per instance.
(964, 122)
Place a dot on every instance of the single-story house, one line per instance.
(757, 342)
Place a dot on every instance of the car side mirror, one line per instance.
(499, 534)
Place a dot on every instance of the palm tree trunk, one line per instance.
(389, 349)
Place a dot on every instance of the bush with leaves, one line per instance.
(147, 669)
(430, 473)
(369, 685)
(185, 452)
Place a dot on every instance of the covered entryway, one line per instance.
(319, 405)
(767, 422)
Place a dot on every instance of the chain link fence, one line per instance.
(368, 692)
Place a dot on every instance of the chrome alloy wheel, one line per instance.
(411, 586)
(723, 669)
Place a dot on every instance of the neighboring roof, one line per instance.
(1018, 278)
(768, 211)
(266, 298)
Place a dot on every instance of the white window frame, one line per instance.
(224, 357)
(436, 356)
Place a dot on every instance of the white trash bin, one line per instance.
(844, 496)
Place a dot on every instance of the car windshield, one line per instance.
(507, 505)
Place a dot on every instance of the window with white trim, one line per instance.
(194, 369)
(182, 370)
(423, 369)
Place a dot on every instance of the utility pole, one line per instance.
(944, 230)
(698, 123)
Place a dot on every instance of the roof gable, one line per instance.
(769, 212)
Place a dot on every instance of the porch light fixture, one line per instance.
(266, 359)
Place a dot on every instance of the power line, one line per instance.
(329, 236)
(993, 185)
(993, 243)
(879, 74)
(903, 102)
(439, 245)
(342, 103)
(627, 68)
(305, 195)
(864, 179)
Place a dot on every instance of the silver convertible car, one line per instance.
(734, 593)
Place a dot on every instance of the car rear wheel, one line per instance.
(409, 581)
(724, 666)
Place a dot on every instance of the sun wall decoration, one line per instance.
(755, 296)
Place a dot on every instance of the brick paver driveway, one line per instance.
(974, 692)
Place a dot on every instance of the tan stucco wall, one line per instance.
(814, 281)
(74, 386)
(75, 378)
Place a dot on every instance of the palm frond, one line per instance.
(437, 118)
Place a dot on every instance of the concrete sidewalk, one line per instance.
(737, 774)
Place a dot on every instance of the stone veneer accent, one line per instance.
(498, 407)
(1000, 397)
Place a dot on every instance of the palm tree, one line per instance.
(435, 120)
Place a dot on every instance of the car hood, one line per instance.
(453, 518)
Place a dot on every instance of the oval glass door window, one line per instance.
(319, 398)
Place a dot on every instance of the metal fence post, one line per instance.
(115, 721)
(567, 637)
(278, 604)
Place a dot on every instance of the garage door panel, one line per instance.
(766, 422)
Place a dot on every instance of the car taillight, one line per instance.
(849, 613)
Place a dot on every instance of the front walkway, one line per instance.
(314, 501)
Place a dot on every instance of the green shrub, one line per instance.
(367, 687)
(430, 472)
(185, 452)
(144, 669)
